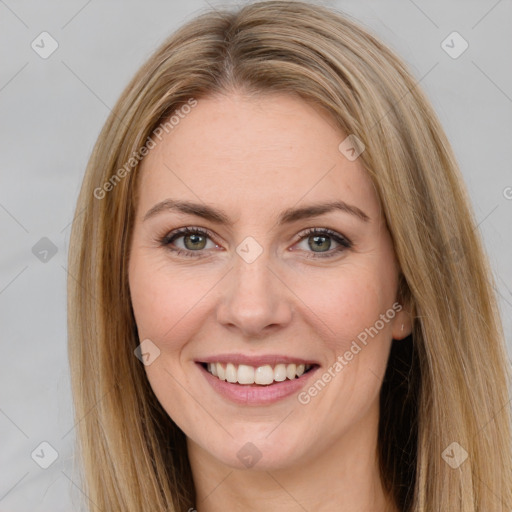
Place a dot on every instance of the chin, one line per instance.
(259, 454)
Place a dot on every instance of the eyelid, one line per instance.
(322, 231)
(188, 230)
(344, 242)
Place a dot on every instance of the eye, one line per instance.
(319, 241)
(194, 241)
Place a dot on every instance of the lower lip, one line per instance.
(254, 394)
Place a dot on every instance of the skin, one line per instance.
(253, 157)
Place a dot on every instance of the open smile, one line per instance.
(264, 375)
(261, 381)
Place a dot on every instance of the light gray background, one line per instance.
(51, 112)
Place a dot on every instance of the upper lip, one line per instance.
(255, 361)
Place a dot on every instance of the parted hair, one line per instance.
(446, 383)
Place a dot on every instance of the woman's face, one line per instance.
(257, 297)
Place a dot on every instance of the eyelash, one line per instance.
(173, 235)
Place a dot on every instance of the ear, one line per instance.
(402, 323)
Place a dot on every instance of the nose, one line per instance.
(255, 300)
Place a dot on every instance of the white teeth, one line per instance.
(245, 374)
(262, 375)
(291, 370)
(212, 368)
(280, 372)
(231, 375)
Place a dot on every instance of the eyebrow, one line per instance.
(287, 216)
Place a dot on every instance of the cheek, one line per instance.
(166, 306)
(356, 312)
(352, 314)
(344, 304)
(164, 302)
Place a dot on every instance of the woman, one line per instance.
(280, 298)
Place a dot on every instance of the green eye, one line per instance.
(319, 241)
(195, 240)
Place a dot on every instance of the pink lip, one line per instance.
(255, 394)
(271, 359)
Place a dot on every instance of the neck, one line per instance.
(344, 478)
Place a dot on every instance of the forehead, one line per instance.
(249, 153)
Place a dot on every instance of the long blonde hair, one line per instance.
(447, 383)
